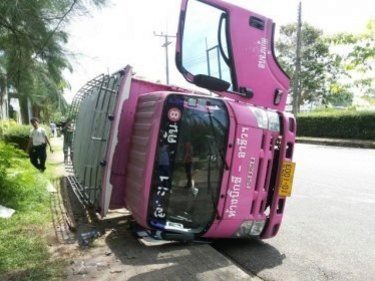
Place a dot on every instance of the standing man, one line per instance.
(67, 131)
(37, 145)
(53, 129)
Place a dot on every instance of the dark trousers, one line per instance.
(38, 156)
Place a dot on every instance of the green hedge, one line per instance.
(342, 124)
(17, 134)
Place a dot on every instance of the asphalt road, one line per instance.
(328, 231)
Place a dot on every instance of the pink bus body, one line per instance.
(226, 176)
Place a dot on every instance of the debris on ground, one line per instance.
(6, 213)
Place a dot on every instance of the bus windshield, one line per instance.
(189, 163)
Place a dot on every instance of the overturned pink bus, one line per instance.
(193, 165)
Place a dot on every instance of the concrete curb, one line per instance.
(338, 142)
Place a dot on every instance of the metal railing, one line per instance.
(92, 113)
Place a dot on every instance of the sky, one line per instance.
(122, 33)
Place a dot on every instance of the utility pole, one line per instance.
(165, 45)
(297, 72)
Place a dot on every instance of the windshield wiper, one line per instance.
(209, 185)
(220, 151)
(221, 154)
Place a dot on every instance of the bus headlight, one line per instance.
(250, 229)
(268, 120)
(273, 121)
(261, 117)
(257, 228)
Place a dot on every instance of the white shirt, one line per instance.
(38, 136)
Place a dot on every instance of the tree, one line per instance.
(358, 58)
(318, 66)
(339, 95)
(3, 82)
(32, 48)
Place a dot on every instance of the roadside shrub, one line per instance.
(4, 125)
(18, 135)
(337, 124)
(9, 156)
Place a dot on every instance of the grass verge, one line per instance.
(23, 237)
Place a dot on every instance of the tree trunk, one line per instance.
(24, 108)
(36, 109)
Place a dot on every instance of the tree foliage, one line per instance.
(338, 95)
(318, 66)
(359, 57)
(32, 55)
(333, 67)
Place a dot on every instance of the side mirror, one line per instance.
(211, 83)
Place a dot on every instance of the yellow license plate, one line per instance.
(286, 178)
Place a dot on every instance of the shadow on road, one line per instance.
(256, 254)
(173, 261)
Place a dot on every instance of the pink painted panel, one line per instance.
(125, 166)
(249, 182)
(142, 154)
(239, 187)
(255, 65)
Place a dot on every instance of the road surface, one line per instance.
(328, 231)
